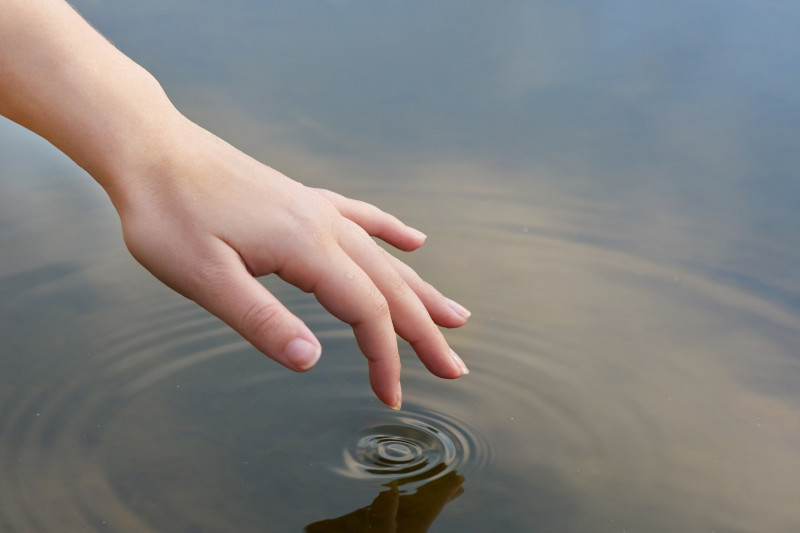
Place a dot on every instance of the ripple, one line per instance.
(603, 371)
(162, 392)
(413, 448)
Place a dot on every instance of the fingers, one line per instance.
(348, 293)
(376, 222)
(444, 311)
(353, 278)
(409, 315)
(237, 298)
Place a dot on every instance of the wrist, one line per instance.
(135, 144)
(64, 81)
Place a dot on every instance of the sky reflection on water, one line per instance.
(611, 188)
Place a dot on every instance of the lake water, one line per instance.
(612, 188)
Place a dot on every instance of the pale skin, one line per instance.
(206, 219)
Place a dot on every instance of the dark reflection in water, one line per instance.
(611, 189)
(392, 512)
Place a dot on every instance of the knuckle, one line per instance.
(380, 303)
(373, 210)
(396, 282)
(207, 273)
(428, 292)
(425, 335)
(359, 233)
(204, 279)
(260, 319)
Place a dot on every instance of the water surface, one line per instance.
(611, 188)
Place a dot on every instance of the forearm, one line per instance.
(67, 83)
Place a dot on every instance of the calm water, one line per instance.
(611, 187)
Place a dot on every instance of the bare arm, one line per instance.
(205, 218)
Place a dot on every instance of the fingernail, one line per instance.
(399, 400)
(418, 233)
(459, 363)
(462, 311)
(302, 353)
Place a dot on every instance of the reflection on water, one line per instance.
(634, 341)
(392, 512)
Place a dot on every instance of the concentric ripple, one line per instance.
(413, 449)
(626, 392)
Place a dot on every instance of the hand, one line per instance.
(207, 220)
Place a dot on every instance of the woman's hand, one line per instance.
(208, 219)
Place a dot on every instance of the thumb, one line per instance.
(238, 299)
